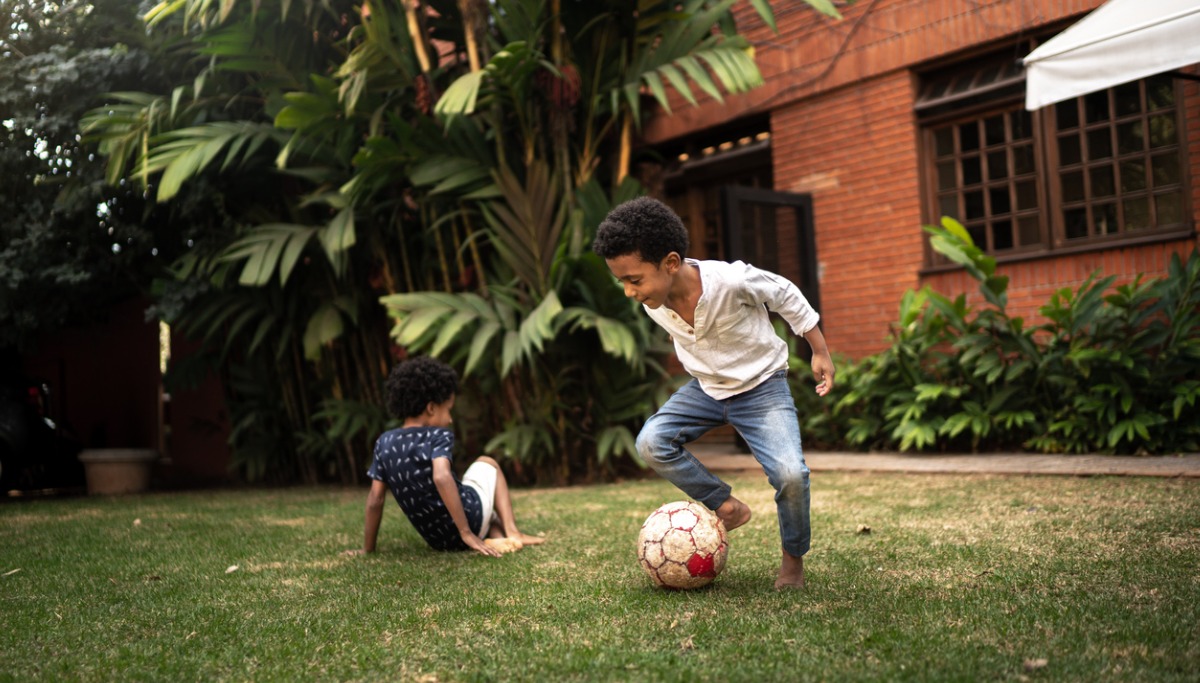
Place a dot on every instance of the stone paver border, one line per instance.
(725, 457)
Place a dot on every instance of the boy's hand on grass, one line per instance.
(476, 543)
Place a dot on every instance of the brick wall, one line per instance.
(854, 151)
(840, 100)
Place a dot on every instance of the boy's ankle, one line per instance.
(733, 513)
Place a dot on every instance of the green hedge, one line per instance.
(1112, 370)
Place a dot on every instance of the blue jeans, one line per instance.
(766, 418)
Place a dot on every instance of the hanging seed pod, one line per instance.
(424, 96)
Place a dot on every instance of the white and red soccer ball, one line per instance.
(682, 545)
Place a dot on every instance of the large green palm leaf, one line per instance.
(527, 225)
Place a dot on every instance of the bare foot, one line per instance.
(733, 513)
(791, 573)
(504, 545)
(526, 539)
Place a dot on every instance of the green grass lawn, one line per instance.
(962, 578)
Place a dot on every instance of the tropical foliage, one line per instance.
(1113, 369)
(446, 158)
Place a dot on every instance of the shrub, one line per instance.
(1112, 370)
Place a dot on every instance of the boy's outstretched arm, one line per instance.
(443, 478)
(822, 363)
(376, 498)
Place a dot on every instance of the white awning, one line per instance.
(1120, 41)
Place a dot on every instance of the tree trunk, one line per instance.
(412, 11)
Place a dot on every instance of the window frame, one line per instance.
(1052, 240)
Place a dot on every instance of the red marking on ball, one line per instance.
(702, 565)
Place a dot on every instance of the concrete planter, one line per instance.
(113, 471)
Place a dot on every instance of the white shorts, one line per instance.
(482, 477)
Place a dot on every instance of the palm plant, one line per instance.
(559, 79)
(449, 156)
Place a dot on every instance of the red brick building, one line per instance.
(906, 110)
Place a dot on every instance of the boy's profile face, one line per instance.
(649, 283)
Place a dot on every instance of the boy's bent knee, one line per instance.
(652, 445)
(792, 478)
(488, 460)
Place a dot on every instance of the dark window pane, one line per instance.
(974, 205)
(1072, 186)
(1022, 125)
(1160, 92)
(1075, 223)
(1169, 208)
(1023, 159)
(1030, 230)
(1137, 213)
(997, 165)
(1162, 131)
(1105, 216)
(947, 180)
(1002, 235)
(944, 141)
(960, 84)
(1165, 169)
(993, 130)
(1000, 201)
(1130, 137)
(1027, 196)
(988, 75)
(1127, 98)
(1095, 106)
(1102, 181)
(1067, 114)
(1068, 150)
(978, 235)
(1133, 175)
(972, 171)
(948, 205)
(1099, 144)
(968, 136)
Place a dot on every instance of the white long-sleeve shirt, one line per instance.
(732, 348)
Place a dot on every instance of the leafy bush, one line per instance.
(1112, 370)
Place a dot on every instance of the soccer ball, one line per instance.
(682, 545)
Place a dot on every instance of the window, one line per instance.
(986, 177)
(1119, 161)
(1101, 168)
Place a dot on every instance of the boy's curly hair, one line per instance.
(642, 226)
(417, 382)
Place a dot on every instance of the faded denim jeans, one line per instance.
(766, 418)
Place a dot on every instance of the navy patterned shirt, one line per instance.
(404, 461)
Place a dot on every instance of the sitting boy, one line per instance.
(717, 315)
(414, 462)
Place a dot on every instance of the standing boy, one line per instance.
(414, 462)
(717, 315)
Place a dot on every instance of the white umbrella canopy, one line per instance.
(1120, 41)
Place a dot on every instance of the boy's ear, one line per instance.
(671, 262)
(430, 408)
